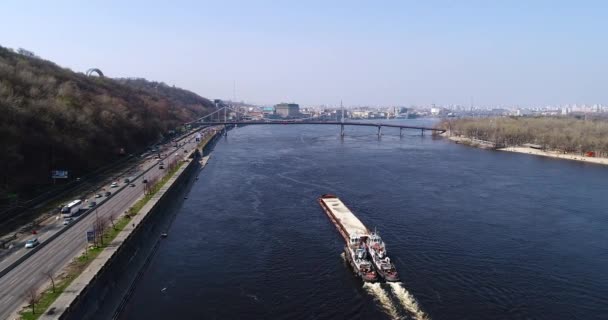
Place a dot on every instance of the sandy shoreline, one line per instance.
(556, 154)
(532, 151)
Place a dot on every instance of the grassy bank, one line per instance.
(80, 263)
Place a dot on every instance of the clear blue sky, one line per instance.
(318, 52)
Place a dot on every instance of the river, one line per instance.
(475, 234)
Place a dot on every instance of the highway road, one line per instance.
(60, 251)
(49, 229)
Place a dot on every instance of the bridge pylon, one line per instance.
(342, 130)
(379, 131)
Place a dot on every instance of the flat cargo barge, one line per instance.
(346, 222)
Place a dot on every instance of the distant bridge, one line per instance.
(341, 124)
(216, 119)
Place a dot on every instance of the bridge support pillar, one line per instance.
(341, 130)
(379, 131)
(422, 131)
(400, 132)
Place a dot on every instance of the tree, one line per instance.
(112, 217)
(99, 227)
(49, 274)
(32, 296)
(553, 133)
(26, 53)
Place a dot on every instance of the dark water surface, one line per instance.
(475, 234)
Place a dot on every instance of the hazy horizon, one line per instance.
(313, 53)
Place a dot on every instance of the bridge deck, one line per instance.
(363, 124)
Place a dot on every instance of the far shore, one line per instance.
(532, 151)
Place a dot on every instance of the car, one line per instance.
(98, 195)
(114, 185)
(67, 221)
(92, 204)
(132, 185)
(161, 167)
(145, 181)
(31, 243)
(107, 194)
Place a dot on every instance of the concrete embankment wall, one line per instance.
(103, 287)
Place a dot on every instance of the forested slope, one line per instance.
(53, 118)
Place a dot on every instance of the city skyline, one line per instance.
(444, 53)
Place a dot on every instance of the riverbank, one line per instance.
(556, 154)
(527, 150)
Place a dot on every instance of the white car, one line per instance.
(67, 221)
(31, 243)
(114, 185)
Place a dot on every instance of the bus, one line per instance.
(71, 208)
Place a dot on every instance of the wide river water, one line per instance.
(475, 234)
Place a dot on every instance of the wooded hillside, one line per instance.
(53, 118)
(553, 133)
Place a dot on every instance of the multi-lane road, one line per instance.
(55, 254)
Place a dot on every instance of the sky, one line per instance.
(377, 53)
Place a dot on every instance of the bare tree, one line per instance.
(99, 227)
(32, 296)
(49, 274)
(112, 217)
(149, 187)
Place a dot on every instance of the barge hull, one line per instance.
(344, 220)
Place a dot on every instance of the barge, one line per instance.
(355, 236)
(364, 250)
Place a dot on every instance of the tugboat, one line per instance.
(356, 254)
(382, 263)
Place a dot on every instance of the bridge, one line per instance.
(216, 119)
(339, 123)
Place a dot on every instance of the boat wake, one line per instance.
(407, 301)
(381, 296)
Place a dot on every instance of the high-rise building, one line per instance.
(287, 110)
